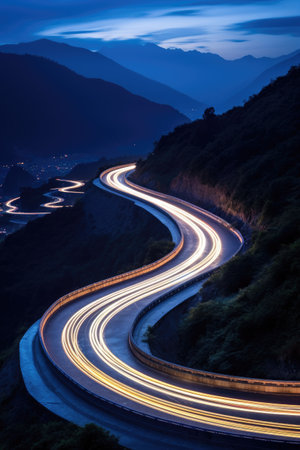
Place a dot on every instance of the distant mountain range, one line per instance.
(94, 65)
(204, 76)
(46, 108)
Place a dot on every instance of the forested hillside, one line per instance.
(245, 163)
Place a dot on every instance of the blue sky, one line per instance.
(231, 28)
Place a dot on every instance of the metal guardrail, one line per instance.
(97, 400)
(202, 376)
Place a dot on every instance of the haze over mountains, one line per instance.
(264, 79)
(206, 77)
(188, 81)
(47, 109)
(94, 65)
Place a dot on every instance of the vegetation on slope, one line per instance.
(247, 163)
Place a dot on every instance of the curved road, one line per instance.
(87, 339)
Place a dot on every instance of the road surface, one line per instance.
(87, 339)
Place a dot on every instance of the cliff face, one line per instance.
(191, 188)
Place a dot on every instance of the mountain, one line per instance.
(16, 178)
(205, 76)
(94, 65)
(245, 164)
(46, 109)
(263, 79)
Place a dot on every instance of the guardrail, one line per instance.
(172, 425)
(202, 376)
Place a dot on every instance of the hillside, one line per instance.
(94, 65)
(246, 164)
(46, 108)
(206, 77)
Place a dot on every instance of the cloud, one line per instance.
(234, 40)
(232, 27)
(273, 26)
(182, 12)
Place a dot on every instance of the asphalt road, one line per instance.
(88, 339)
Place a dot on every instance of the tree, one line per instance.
(209, 113)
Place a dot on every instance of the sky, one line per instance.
(230, 28)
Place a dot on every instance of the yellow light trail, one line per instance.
(13, 209)
(100, 312)
(70, 189)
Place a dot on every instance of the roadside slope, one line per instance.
(246, 163)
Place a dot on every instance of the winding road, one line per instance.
(55, 201)
(85, 334)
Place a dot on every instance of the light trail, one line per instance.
(70, 189)
(194, 405)
(13, 209)
(55, 203)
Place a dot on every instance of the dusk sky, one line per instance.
(231, 28)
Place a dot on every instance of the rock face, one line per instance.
(214, 196)
(16, 179)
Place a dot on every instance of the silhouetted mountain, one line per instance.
(204, 76)
(17, 178)
(94, 65)
(263, 79)
(246, 163)
(46, 108)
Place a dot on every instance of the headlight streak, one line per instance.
(12, 209)
(74, 185)
(106, 308)
(55, 203)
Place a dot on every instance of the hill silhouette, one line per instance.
(245, 163)
(17, 178)
(46, 108)
(94, 65)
